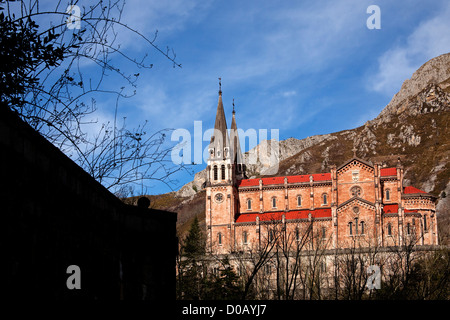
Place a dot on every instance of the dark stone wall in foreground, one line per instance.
(55, 215)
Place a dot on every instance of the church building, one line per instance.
(356, 204)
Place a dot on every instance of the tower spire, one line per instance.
(236, 152)
(219, 139)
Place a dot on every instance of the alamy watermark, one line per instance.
(74, 280)
(374, 21)
(74, 20)
(190, 148)
(374, 280)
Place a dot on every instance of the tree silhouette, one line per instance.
(43, 79)
(194, 244)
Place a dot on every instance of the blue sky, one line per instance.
(303, 67)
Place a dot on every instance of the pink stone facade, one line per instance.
(355, 203)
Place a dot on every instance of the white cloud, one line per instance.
(394, 68)
(289, 93)
(147, 16)
(430, 39)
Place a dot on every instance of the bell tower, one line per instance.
(221, 194)
(220, 159)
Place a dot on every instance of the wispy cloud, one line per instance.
(426, 41)
(295, 38)
(167, 17)
(289, 93)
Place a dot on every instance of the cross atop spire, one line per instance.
(220, 86)
(233, 106)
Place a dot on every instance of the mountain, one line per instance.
(414, 126)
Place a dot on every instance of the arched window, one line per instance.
(297, 234)
(362, 227)
(388, 195)
(216, 173)
(267, 269)
(350, 228)
(274, 202)
(325, 198)
(223, 172)
(219, 238)
(356, 226)
(299, 201)
(408, 228)
(389, 229)
(249, 204)
(244, 237)
(324, 233)
(323, 266)
(425, 226)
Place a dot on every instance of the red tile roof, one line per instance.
(321, 176)
(248, 182)
(298, 214)
(273, 180)
(322, 213)
(247, 217)
(390, 208)
(408, 190)
(291, 215)
(385, 172)
(297, 179)
(410, 211)
(251, 217)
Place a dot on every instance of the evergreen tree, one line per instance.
(191, 274)
(194, 244)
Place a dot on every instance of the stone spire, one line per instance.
(234, 139)
(238, 159)
(219, 139)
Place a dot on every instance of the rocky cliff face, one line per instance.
(434, 72)
(413, 126)
(192, 187)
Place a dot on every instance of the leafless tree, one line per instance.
(292, 246)
(399, 259)
(253, 260)
(57, 96)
